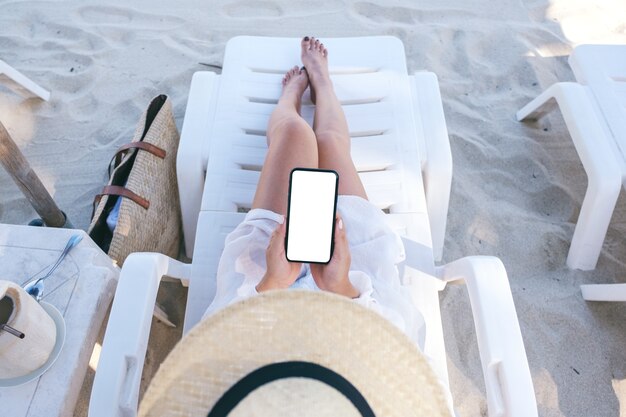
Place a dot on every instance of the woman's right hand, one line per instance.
(280, 273)
(334, 276)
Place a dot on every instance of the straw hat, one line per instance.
(295, 353)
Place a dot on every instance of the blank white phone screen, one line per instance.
(311, 215)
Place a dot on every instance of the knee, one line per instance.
(330, 136)
(290, 128)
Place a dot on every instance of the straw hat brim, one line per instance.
(321, 328)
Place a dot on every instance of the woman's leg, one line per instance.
(330, 125)
(291, 144)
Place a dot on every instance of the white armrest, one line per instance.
(192, 156)
(116, 385)
(505, 366)
(437, 167)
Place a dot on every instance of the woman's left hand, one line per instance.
(280, 273)
(333, 276)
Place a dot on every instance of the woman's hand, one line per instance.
(280, 273)
(333, 276)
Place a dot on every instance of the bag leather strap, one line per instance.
(122, 192)
(148, 147)
(154, 150)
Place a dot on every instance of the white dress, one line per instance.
(374, 248)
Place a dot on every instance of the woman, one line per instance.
(366, 251)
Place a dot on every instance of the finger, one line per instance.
(281, 231)
(282, 227)
(273, 235)
(278, 232)
(340, 231)
(342, 246)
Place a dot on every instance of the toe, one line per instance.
(305, 42)
(312, 43)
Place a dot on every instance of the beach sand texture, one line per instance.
(516, 191)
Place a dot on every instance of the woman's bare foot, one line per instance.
(295, 82)
(315, 59)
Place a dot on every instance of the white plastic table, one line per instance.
(81, 288)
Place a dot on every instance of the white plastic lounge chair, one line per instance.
(21, 80)
(604, 292)
(594, 110)
(400, 140)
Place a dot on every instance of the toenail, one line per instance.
(306, 38)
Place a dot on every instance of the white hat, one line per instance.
(295, 353)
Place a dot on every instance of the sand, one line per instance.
(517, 188)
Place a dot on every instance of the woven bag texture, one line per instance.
(158, 228)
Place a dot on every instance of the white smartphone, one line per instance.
(311, 215)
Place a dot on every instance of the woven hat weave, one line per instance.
(295, 353)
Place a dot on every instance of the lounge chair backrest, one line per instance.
(376, 100)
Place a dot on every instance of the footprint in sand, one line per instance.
(553, 245)
(381, 14)
(122, 16)
(106, 14)
(121, 24)
(405, 15)
(553, 203)
(249, 8)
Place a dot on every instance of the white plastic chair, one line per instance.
(401, 148)
(21, 80)
(594, 110)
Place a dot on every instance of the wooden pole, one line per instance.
(18, 167)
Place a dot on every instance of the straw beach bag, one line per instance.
(138, 210)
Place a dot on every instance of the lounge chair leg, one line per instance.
(596, 153)
(23, 81)
(604, 292)
(593, 221)
(538, 107)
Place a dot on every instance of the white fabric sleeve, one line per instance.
(247, 289)
(242, 263)
(363, 283)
